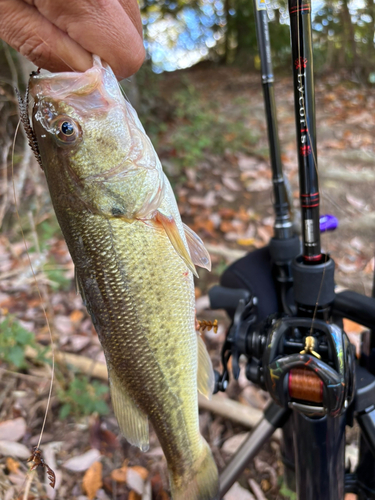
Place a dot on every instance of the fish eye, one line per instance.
(67, 130)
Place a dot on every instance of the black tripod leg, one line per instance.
(274, 417)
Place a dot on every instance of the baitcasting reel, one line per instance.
(305, 365)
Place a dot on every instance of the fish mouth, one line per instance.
(95, 89)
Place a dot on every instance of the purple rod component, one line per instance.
(328, 222)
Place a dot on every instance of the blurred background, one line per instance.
(199, 96)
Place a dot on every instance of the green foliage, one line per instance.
(57, 277)
(200, 129)
(83, 398)
(46, 230)
(287, 493)
(13, 341)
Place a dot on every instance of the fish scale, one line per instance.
(144, 318)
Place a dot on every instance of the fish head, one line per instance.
(90, 139)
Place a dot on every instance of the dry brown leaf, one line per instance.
(76, 316)
(231, 184)
(245, 241)
(141, 471)
(12, 465)
(257, 490)
(238, 493)
(92, 480)
(9, 448)
(135, 481)
(13, 430)
(120, 475)
(134, 496)
(232, 444)
(82, 462)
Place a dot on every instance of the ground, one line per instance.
(209, 128)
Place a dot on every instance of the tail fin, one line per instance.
(201, 483)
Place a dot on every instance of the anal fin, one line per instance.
(198, 251)
(132, 421)
(170, 227)
(206, 376)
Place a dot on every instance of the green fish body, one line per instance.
(134, 263)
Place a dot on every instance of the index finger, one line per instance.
(102, 27)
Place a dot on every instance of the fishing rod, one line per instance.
(289, 326)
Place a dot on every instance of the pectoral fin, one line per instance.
(198, 251)
(170, 227)
(132, 421)
(206, 377)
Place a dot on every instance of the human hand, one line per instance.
(61, 35)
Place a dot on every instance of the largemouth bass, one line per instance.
(134, 262)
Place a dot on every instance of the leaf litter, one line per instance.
(226, 197)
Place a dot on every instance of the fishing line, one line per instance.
(38, 290)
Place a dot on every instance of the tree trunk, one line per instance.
(349, 36)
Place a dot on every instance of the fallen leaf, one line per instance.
(82, 462)
(17, 479)
(141, 471)
(265, 233)
(92, 480)
(231, 184)
(157, 452)
(78, 342)
(102, 439)
(12, 449)
(355, 202)
(13, 430)
(262, 467)
(134, 496)
(245, 241)
(208, 201)
(261, 184)
(238, 493)
(49, 451)
(76, 316)
(257, 490)
(357, 243)
(134, 480)
(158, 492)
(12, 465)
(120, 475)
(147, 492)
(63, 324)
(265, 484)
(9, 495)
(232, 444)
(247, 162)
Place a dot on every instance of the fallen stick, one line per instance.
(232, 410)
(219, 404)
